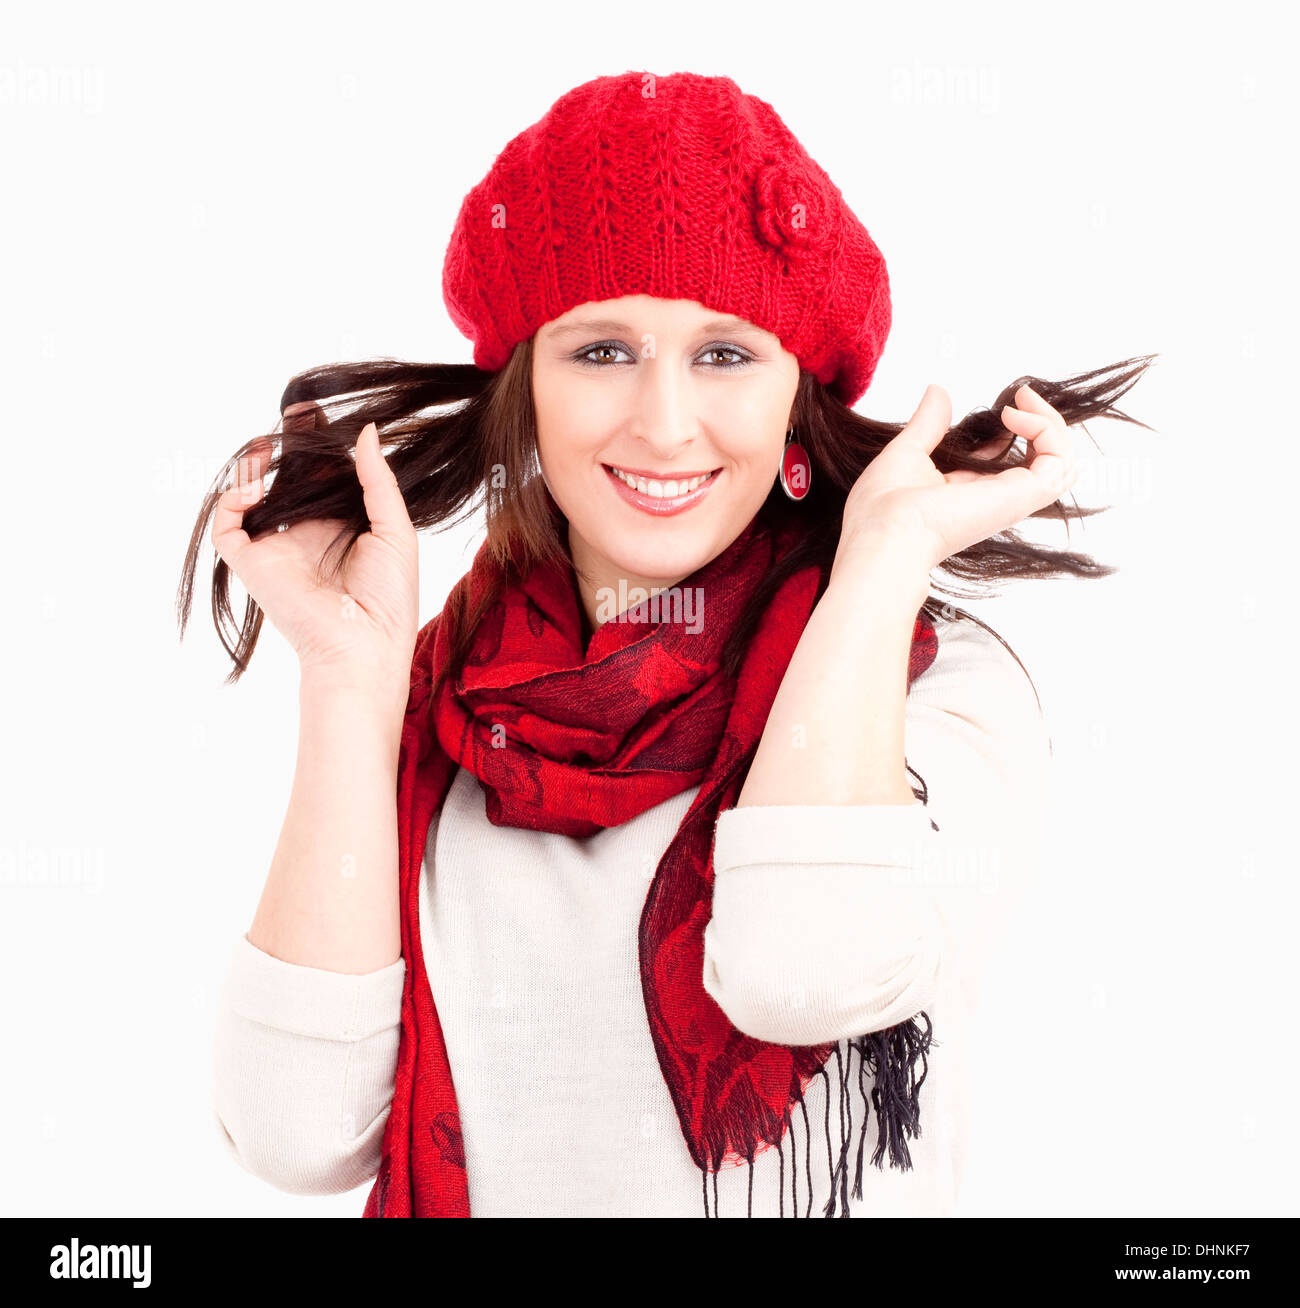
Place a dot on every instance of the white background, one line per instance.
(199, 205)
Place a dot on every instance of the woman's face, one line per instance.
(669, 390)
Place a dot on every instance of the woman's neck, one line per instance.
(599, 595)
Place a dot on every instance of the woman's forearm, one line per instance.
(835, 731)
(330, 899)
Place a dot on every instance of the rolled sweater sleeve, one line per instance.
(830, 922)
(304, 1065)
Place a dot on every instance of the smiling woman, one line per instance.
(683, 863)
(659, 430)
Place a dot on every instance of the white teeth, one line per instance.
(663, 490)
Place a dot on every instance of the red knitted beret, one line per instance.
(681, 187)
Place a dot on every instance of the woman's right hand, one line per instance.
(357, 631)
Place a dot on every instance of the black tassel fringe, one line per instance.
(892, 1058)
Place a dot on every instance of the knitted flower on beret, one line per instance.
(680, 187)
(790, 212)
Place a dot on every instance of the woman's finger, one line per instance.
(253, 465)
(1053, 463)
(994, 502)
(385, 506)
(995, 447)
(304, 415)
(929, 424)
(228, 536)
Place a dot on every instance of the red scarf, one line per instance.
(593, 738)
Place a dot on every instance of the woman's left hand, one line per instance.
(902, 502)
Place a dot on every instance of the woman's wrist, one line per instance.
(883, 565)
(380, 699)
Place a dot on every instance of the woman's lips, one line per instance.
(657, 505)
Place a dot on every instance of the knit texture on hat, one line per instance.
(680, 187)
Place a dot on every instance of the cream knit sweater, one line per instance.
(828, 922)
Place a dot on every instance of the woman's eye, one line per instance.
(588, 358)
(738, 359)
(584, 357)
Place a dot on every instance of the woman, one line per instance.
(666, 902)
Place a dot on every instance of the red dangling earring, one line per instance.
(796, 469)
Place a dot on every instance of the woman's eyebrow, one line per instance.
(584, 325)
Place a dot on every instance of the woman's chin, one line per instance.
(665, 556)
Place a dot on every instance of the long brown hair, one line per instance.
(460, 437)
